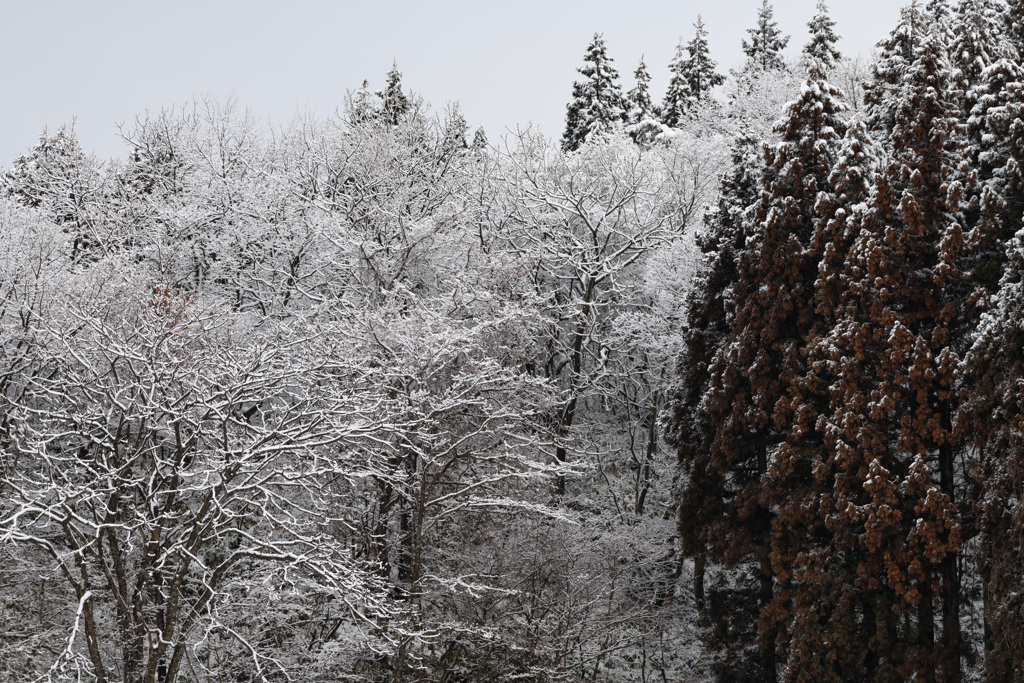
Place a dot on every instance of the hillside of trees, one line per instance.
(725, 385)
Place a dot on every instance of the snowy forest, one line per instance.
(725, 385)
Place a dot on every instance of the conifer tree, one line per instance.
(996, 138)
(749, 383)
(480, 141)
(937, 10)
(597, 105)
(823, 38)
(977, 28)
(895, 56)
(708, 518)
(677, 97)
(840, 624)
(775, 314)
(893, 364)
(993, 415)
(364, 105)
(394, 102)
(699, 69)
(639, 98)
(1014, 31)
(764, 50)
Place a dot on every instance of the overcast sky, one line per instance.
(104, 61)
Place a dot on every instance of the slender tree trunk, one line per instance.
(926, 633)
(950, 661)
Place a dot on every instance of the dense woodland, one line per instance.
(723, 387)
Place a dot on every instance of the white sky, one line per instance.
(104, 61)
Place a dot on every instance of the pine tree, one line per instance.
(677, 97)
(823, 38)
(394, 103)
(59, 178)
(895, 56)
(893, 367)
(639, 98)
(597, 105)
(364, 105)
(698, 69)
(764, 50)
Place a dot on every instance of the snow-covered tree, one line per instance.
(766, 41)
(639, 97)
(394, 102)
(977, 27)
(677, 97)
(698, 69)
(882, 92)
(597, 105)
(822, 45)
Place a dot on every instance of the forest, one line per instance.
(723, 387)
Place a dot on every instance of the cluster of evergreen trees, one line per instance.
(598, 105)
(849, 410)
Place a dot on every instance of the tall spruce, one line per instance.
(977, 28)
(597, 105)
(764, 50)
(937, 10)
(996, 137)
(1014, 19)
(822, 46)
(992, 415)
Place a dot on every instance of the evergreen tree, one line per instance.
(996, 138)
(993, 412)
(937, 10)
(993, 415)
(639, 98)
(893, 363)
(841, 624)
(677, 97)
(364, 105)
(896, 53)
(748, 398)
(775, 315)
(708, 517)
(59, 178)
(597, 105)
(480, 141)
(1014, 30)
(698, 69)
(977, 29)
(394, 103)
(766, 41)
(823, 38)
